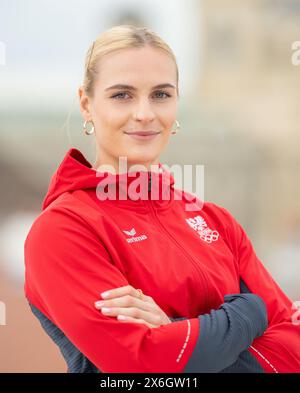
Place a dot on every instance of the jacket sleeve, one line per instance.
(245, 362)
(66, 268)
(227, 332)
(278, 349)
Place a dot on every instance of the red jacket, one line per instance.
(187, 261)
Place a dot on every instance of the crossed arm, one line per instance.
(221, 347)
(233, 357)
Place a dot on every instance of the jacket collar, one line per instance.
(134, 190)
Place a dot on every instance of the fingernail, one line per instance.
(105, 309)
(99, 304)
(105, 294)
(121, 317)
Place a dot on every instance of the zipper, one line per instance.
(182, 249)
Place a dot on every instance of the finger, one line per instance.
(126, 318)
(133, 313)
(121, 291)
(126, 301)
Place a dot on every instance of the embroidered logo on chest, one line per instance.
(133, 238)
(198, 224)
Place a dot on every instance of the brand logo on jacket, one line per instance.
(133, 239)
(206, 234)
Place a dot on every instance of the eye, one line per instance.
(163, 92)
(121, 95)
(117, 95)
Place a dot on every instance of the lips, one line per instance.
(143, 133)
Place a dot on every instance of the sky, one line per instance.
(43, 44)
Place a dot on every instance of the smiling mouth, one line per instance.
(143, 135)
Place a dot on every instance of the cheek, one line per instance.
(109, 120)
(169, 125)
(168, 117)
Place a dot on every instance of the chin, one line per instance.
(140, 158)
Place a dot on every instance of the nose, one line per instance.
(143, 111)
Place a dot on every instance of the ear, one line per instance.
(84, 103)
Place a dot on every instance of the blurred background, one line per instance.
(239, 114)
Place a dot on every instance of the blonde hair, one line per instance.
(116, 38)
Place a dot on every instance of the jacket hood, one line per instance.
(76, 173)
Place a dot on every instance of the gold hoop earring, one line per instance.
(177, 128)
(88, 132)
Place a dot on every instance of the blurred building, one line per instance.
(247, 73)
(250, 90)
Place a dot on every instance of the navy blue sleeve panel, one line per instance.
(226, 332)
(246, 362)
(77, 362)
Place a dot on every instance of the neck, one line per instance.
(124, 166)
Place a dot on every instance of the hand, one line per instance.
(125, 301)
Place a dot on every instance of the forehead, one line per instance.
(136, 65)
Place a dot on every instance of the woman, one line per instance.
(193, 293)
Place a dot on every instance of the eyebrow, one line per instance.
(128, 87)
